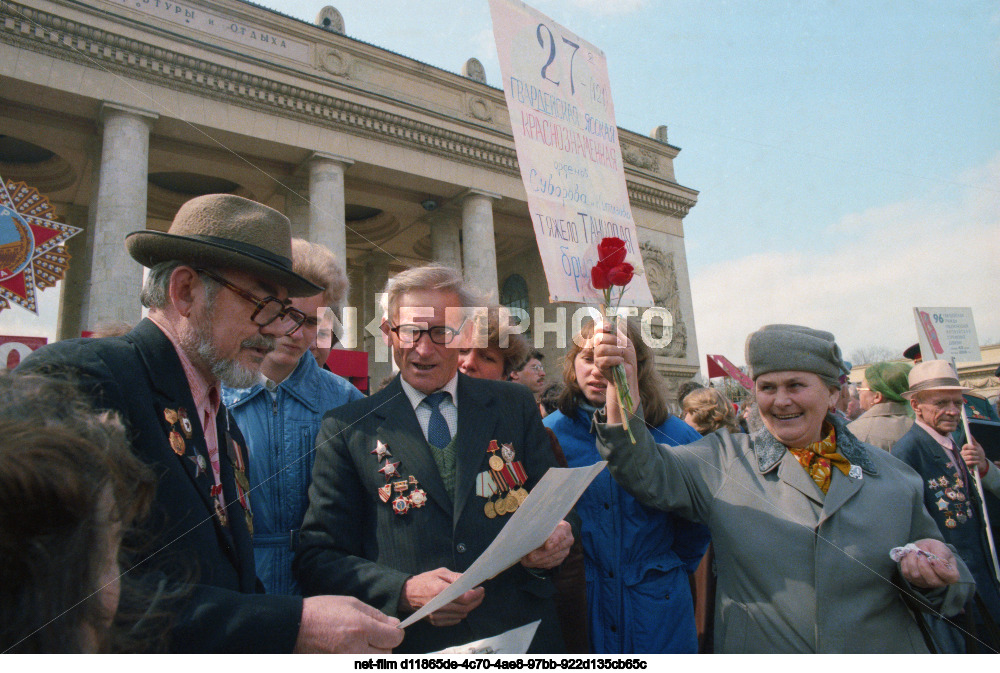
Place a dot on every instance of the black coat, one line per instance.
(140, 376)
(353, 543)
(955, 507)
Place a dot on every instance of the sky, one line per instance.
(847, 153)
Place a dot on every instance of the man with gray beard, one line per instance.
(217, 293)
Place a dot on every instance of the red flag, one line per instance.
(718, 365)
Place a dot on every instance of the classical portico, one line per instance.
(120, 112)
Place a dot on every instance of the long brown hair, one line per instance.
(652, 391)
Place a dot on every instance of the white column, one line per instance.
(73, 288)
(479, 250)
(120, 208)
(327, 225)
(297, 206)
(446, 243)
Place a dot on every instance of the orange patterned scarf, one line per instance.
(818, 457)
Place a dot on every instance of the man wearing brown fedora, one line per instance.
(217, 293)
(950, 494)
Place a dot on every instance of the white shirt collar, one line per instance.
(416, 397)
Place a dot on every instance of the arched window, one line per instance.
(514, 293)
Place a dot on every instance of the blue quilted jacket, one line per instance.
(637, 559)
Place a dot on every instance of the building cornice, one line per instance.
(64, 39)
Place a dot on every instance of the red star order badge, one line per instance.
(32, 252)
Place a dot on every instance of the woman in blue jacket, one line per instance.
(280, 418)
(637, 559)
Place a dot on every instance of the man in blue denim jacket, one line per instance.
(280, 418)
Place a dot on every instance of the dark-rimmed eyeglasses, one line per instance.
(267, 309)
(409, 335)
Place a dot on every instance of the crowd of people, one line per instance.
(202, 483)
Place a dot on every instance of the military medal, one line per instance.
(500, 506)
(170, 415)
(185, 422)
(401, 505)
(521, 496)
(380, 451)
(511, 503)
(418, 498)
(240, 477)
(942, 504)
(950, 523)
(177, 443)
(220, 514)
(496, 462)
(489, 510)
(961, 517)
(389, 469)
(199, 463)
(385, 492)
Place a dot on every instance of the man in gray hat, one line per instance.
(217, 293)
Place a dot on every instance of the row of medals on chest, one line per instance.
(955, 496)
(505, 479)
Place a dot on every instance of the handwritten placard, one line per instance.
(559, 98)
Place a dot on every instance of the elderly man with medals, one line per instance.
(949, 490)
(411, 485)
(217, 293)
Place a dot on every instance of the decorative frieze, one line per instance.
(64, 39)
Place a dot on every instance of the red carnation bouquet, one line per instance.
(612, 271)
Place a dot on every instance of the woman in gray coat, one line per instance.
(803, 515)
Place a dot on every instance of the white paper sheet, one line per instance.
(529, 527)
(515, 641)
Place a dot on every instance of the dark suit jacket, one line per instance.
(140, 375)
(353, 543)
(967, 533)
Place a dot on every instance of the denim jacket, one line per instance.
(280, 430)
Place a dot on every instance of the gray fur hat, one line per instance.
(226, 231)
(787, 348)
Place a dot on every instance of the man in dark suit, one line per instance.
(217, 293)
(950, 493)
(411, 485)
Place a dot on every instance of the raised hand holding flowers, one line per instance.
(613, 271)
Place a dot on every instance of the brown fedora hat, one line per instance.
(226, 231)
(932, 375)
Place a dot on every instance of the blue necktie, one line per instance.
(438, 433)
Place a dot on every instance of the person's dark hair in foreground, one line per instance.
(69, 488)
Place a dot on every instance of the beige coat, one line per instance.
(797, 571)
(882, 425)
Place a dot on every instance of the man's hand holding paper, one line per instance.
(420, 589)
(554, 551)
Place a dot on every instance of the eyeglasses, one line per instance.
(409, 335)
(537, 368)
(268, 309)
